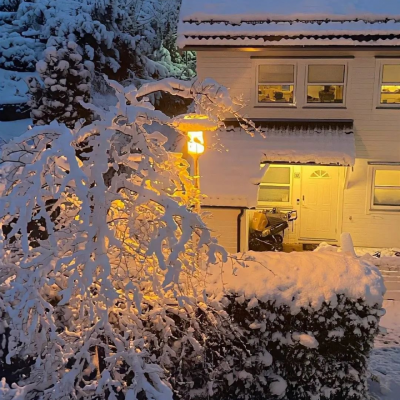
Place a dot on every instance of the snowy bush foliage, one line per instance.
(327, 360)
(312, 317)
(66, 84)
(100, 249)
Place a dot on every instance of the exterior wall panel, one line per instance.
(223, 225)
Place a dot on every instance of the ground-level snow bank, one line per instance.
(11, 129)
(385, 358)
(299, 279)
(312, 316)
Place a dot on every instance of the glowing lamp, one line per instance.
(195, 143)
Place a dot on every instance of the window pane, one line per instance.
(326, 73)
(325, 94)
(390, 94)
(275, 93)
(387, 197)
(387, 177)
(277, 175)
(276, 73)
(391, 73)
(275, 194)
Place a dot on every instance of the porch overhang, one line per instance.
(231, 169)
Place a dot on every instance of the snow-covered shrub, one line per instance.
(99, 233)
(18, 53)
(67, 83)
(9, 5)
(315, 315)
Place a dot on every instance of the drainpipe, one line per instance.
(239, 229)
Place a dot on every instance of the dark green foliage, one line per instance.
(66, 83)
(345, 334)
(9, 5)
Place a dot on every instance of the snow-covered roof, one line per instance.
(289, 23)
(231, 170)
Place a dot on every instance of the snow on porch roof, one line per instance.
(260, 23)
(231, 174)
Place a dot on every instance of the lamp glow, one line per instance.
(196, 143)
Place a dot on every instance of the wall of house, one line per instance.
(223, 223)
(377, 131)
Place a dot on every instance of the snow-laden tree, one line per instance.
(99, 235)
(122, 38)
(9, 5)
(67, 83)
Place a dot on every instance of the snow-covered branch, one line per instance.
(97, 221)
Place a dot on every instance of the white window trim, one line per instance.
(344, 84)
(301, 82)
(295, 82)
(281, 204)
(371, 207)
(378, 79)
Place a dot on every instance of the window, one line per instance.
(325, 84)
(385, 188)
(276, 83)
(275, 186)
(320, 174)
(390, 84)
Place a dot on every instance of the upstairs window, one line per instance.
(390, 84)
(325, 84)
(385, 188)
(276, 83)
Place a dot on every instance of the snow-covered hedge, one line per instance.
(312, 317)
(291, 326)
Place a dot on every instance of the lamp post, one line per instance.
(194, 126)
(196, 149)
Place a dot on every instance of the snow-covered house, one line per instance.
(322, 80)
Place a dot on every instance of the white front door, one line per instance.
(319, 203)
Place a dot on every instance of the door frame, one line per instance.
(339, 222)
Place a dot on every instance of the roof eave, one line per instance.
(261, 48)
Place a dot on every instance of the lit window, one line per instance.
(275, 186)
(276, 83)
(390, 84)
(325, 84)
(320, 174)
(386, 188)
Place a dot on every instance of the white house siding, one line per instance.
(377, 131)
(223, 223)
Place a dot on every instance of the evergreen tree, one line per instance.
(66, 82)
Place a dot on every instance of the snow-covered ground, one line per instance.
(385, 359)
(11, 129)
(13, 89)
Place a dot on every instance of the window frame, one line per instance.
(300, 81)
(295, 82)
(290, 185)
(379, 69)
(371, 188)
(344, 83)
